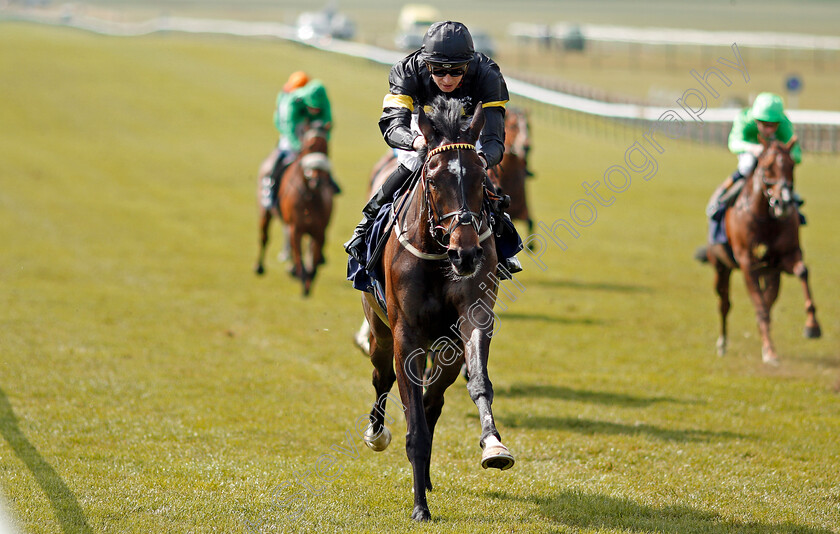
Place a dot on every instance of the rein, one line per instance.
(777, 205)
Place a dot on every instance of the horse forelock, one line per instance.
(447, 118)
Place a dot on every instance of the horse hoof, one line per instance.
(720, 346)
(259, 270)
(769, 358)
(378, 442)
(813, 332)
(421, 513)
(496, 455)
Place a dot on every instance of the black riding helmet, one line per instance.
(447, 44)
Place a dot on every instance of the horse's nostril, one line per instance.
(479, 253)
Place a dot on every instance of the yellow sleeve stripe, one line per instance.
(497, 103)
(398, 101)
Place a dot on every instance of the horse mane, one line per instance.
(448, 118)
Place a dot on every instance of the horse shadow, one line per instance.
(548, 391)
(68, 512)
(591, 286)
(590, 511)
(543, 317)
(591, 427)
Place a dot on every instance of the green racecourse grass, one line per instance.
(149, 382)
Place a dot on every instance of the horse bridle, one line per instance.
(777, 206)
(461, 217)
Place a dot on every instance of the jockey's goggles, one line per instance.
(441, 70)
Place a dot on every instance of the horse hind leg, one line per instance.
(812, 326)
(362, 338)
(722, 275)
(381, 350)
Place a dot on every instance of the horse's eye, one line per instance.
(431, 184)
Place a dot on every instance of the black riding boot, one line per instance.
(356, 245)
(274, 178)
(335, 187)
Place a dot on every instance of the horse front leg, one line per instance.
(418, 440)
(762, 311)
(265, 219)
(477, 352)
(772, 284)
(316, 255)
(298, 268)
(722, 274)
(797, 267)
(445, 370)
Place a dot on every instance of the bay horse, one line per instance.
(439, 265)
(511, 173)
(763, 230)
(305, 206)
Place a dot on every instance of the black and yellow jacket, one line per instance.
(412, 85)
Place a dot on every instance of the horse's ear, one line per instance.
(793, 141)
(477, 123)
(425, 125)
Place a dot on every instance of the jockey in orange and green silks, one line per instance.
(298, 108)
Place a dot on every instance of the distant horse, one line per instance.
(440, 289)
(763, 230)
(305, 206)
(511, 174)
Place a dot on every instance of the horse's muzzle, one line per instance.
(465, 261)
(782, 206)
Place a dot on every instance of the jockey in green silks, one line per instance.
(765, 119)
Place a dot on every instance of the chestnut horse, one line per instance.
(763, 230)
(305, 206)
(439, 264)
(511, 173)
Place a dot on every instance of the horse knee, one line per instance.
(418, 444)
(480, 386)
(801, 271)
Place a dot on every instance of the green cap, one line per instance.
(768, 107)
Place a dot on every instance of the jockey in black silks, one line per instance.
(447, 64)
